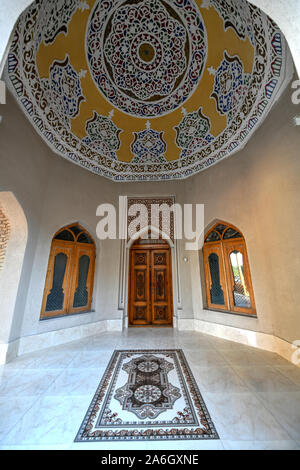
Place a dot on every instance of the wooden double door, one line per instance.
(150, 285)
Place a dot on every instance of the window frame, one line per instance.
(224, 248)
(74, 250)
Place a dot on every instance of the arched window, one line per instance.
(227, 274)
(70, 273)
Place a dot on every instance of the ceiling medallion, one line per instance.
(146, 57)
(202, 75)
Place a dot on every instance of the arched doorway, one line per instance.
(150, 299)
(13, 242)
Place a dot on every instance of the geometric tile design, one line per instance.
(44, 395)
(147, 395)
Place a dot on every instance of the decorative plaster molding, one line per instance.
(247, 102)
(127, 202)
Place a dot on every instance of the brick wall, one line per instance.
(4, 236)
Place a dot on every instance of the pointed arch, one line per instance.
(223, 230)
(150, 229)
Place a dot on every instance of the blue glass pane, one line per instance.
(231, 233)
(65, 235)
(84, 238)
(55, 299)
(220, 228)
(216, 292)
(213, 237)
(75, 229)
(81, 294)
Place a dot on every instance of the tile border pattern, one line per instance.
(193, 422)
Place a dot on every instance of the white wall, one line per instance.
(13, 261)
(256, 189)
(73, 195)
(24, 164)
(53, 193)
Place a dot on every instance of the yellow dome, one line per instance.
(146, 89)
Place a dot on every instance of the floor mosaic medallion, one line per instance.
(147, 395)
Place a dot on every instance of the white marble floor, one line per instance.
(253, 396)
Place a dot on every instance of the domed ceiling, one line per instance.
(139, 90)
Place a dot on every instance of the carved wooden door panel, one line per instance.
(57, 285)
(139, 295)
(241, 297)
(161, 289)
(83, 278)
(216, 292)
(150, 288)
